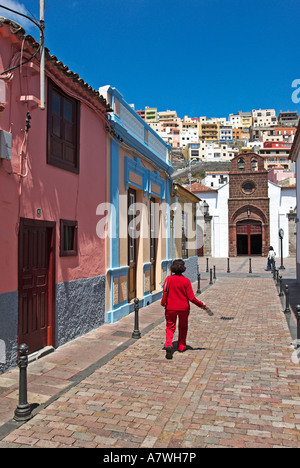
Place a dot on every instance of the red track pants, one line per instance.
(171, 318)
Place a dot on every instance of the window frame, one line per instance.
(62, 251)
(248, 183)
(51, 160)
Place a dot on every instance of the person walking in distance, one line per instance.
(177, 295)
(271, 264)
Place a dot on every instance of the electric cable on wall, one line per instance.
(39, 47)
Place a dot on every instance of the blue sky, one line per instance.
(198, 57)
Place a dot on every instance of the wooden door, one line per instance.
(131, 244)
(152, 244)
(36, 284)
(249, 238)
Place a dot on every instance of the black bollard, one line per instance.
(228, 266)
(207, 265)
(136, 332)
(298, 326)
(215, 272)
(211, 277)
(277, 277)
(287, 302)
(23, 410)
(274, 274)
(280, 286)
(250, 266)
(199, 278)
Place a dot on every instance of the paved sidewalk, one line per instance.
(237, 385)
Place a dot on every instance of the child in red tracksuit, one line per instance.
(177, 293)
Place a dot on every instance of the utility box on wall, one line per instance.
(5, 145)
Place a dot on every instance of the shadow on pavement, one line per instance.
(294, 300)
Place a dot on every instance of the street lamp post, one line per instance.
(281, 235)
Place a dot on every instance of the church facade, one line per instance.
(248, 206)
(243, 217)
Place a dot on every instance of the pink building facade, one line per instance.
(277, 174)
(53, 173)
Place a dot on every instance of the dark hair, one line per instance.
(271, 248)
(178, 267)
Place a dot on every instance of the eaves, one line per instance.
(132, 141)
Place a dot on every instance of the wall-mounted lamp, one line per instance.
(248, 213)
(205, 208)
(175, 204)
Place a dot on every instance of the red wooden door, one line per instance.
(252, 237)
(36, 284)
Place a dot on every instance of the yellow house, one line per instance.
(209, 131)
(246, 121)
(183, 228)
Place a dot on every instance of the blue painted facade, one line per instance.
(139, 159)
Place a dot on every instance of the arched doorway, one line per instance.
(249, 232)
(249, 237)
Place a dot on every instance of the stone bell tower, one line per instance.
(248, 206)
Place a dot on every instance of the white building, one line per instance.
(218, 120)
(189, 136)
(264, 117)
(235, 120)
(295, 157)
(225, 133)
(282, 202)
(216, 179)
(218, 211)
(220, 152)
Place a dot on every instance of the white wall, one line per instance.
(218, 209)
(209, 179)
(222, 246)
(298, 210)
(288, 202)
(281, 201)
(274, 195)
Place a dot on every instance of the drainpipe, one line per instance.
(42, 53)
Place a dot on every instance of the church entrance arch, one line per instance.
(248, 232)
(249, 238)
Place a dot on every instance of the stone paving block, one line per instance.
(235, 386)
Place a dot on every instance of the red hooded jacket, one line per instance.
(178, 293)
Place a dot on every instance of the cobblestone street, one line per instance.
(237, 385)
